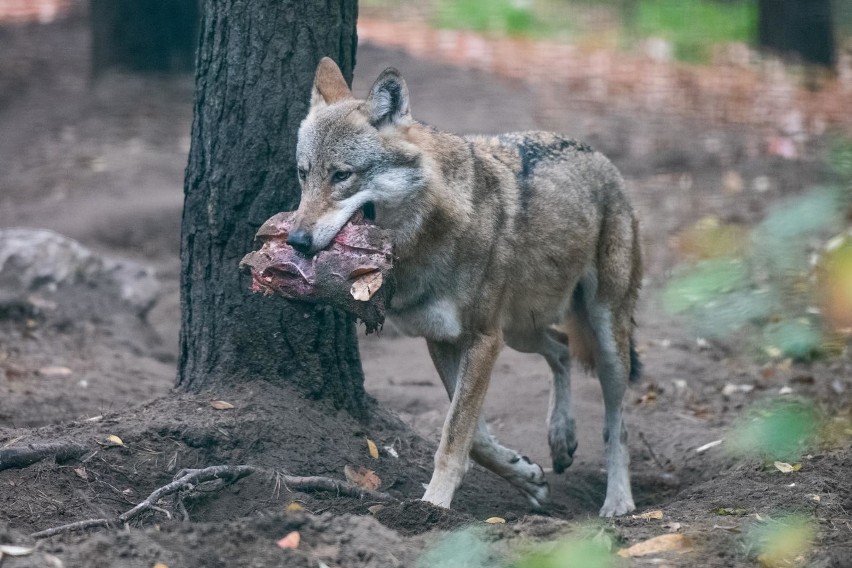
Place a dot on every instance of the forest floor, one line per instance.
(102, 162)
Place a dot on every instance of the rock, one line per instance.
(35, 264)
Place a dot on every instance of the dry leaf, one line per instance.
(787, 468)
(55, 371)
(112, 440)
(81, 473)
(495, 521)
(375, 509)
(672, 527)
(292, 541)
(293, 507)
(371, 447)
(649, 516)
(362, 477)
(707, 446)
(814, 497)
(367, 285)
(391, 451)
(221, 405)
(663, 543)
(161, 565)
(362, 270)
(12, 550)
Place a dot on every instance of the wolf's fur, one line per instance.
(524, 238)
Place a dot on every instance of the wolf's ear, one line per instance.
(388, 100)
(329, 84)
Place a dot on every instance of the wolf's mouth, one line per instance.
(369, 210)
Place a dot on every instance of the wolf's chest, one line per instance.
(436, 319)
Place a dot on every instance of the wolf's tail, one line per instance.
(635, 363)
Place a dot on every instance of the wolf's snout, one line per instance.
(301, 240)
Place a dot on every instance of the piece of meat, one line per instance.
(353, 273)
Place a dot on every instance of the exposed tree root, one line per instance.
(188, 479)
(17, 457)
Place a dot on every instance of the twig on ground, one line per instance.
(190, 478)
(17, 457)
(651, 451)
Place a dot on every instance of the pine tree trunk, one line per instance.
(144, 35)
(254, 75)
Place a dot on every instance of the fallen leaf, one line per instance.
(649, 516)
(12, 550)
(375, 509)
(367, 285)
(291, 541)
(371, 447)
(391, 451)
(784, 467)
(731, 512)
(293, 507)
(161, 565)
(672, 527)
(362, 477)
(221, 405)
(81, 473)
(814, 497)
(112, 440)
(55, 371)
(362, 270)
(663, 543)
(495, 521)
(731, 389)
(707, 446)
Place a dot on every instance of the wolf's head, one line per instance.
(353, 154)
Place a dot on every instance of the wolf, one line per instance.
(525, 239)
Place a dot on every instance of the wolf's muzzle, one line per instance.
(300, 240)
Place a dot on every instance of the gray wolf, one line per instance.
(525, 239)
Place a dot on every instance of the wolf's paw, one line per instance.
(616, 506)
(529, 479)
(563, 444)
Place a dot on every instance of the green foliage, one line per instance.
(460, 549)
(779, 431)
(840, 157)
(782, 542)
(575, 552)
(694, 26)
(769, 289)
(501, 16)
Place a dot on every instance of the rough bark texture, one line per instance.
(254, 75)
(802, 28)
(144, 35)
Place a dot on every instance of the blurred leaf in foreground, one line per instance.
(703, 283)
(781, 543)
(780, 431)
(798, 338)
(835, 283)
(573, 552)
(465, 548)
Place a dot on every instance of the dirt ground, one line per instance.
(102, 162)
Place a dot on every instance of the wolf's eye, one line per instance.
(302, 174)
(340, 175)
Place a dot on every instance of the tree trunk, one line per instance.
(144, 35)
(254, 75)
(802, 28)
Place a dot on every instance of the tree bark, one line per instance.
(802, 28)
(254, 75)
(144, 35)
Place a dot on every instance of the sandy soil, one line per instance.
(102, 163)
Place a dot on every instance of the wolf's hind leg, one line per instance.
(613, 363)
(561, 428)
(486, 450)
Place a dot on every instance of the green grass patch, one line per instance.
(695, 26)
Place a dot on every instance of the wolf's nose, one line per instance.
(300, 240)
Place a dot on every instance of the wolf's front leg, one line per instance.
(478, 354)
